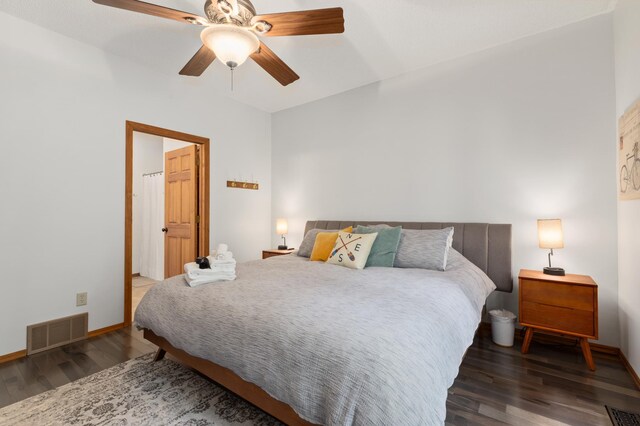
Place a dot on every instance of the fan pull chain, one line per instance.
(231, 79)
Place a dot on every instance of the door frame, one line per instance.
(203, 196)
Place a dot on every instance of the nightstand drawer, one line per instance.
(557, 294)
(565, 319)
(565, 304)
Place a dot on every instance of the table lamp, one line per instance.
(550, 237)
(281, 229)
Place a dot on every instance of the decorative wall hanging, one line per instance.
(628, 155)
(242, 185)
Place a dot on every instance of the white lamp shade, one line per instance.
(550, 234)
(282, 226)
(231, 44)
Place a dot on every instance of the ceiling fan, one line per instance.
(232, 30)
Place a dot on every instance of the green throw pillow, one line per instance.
(385, 247)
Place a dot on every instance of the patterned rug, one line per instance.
(137, 392)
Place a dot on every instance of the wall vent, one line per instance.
(58, 332)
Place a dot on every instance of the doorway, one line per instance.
(174, 198)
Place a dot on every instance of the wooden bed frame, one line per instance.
(488, 246)
(230, 380)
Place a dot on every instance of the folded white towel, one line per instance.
(217, 266)
(190, 266)
(206, 279)
(213, 272)
(215, 261)
(227, 255)
(220, 271)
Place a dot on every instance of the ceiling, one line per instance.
(382, 39)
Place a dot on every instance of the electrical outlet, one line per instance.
(81, 299)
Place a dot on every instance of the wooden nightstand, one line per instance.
(275, 252)
(561, 304)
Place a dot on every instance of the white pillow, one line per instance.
(352, 250)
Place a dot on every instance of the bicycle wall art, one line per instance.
(628, 156)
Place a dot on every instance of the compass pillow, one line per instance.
(352, 250)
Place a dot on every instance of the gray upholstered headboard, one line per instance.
(488, 246)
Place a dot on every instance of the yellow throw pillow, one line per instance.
(352, 250)
(324, 244)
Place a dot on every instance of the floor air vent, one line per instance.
(58, 332)
(623, 418)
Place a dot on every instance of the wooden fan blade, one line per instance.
(304, 22)
(155, 10)
(200, 62)
(275, 66)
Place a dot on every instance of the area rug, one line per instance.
(137, 392)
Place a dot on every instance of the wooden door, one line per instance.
(181, 207)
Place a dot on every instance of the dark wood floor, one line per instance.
(550, 385)
(37, 373)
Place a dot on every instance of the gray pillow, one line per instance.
(384, 247)
(306, 246)
(424, 248)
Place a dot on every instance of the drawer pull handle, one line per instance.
(555, 306)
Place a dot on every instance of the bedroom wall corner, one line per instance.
(508, 135)
(63, 114)
(627, 69)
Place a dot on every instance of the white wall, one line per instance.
(147, 158)
(627, 66)
(63, 109)
(509, 135)
(237, 202)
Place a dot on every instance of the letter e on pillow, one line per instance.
(352, 250)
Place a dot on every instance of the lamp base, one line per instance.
(553, 271)
(283, 247)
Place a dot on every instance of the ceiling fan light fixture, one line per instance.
(262, 27)
(195, 21)
(231, 44)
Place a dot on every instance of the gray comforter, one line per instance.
(378, 346)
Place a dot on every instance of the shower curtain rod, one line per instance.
(154, 173)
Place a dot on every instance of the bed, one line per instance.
(313, 343)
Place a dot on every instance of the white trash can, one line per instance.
(503, 326)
